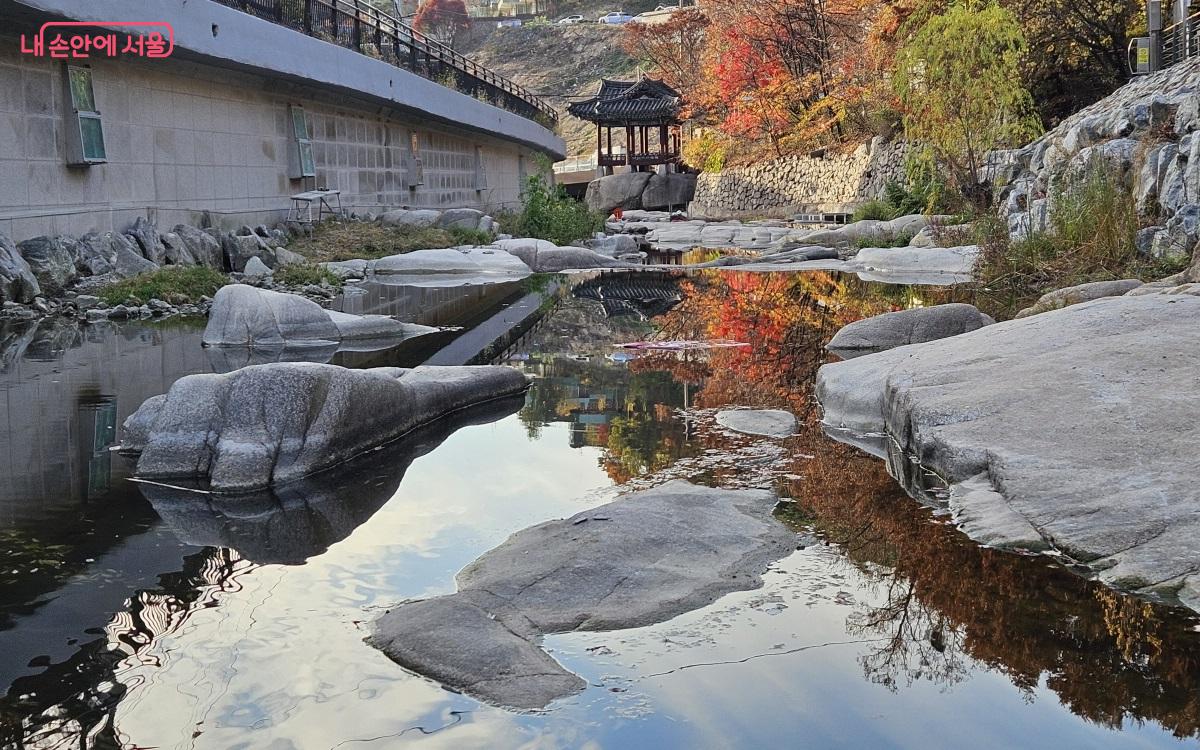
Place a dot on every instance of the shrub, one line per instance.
(302, 274)
(900, 239)
(878, 210)
(548, 213)
(177, 285)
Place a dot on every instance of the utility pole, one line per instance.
(1154, 25)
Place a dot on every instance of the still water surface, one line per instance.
(132, 618)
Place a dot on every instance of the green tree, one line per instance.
(958, 83)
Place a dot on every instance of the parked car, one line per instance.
(615, 17)
(508, 23)
(570, 20)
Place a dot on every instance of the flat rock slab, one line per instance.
(916, 265)
(270, 424)
(641, 559)
(773, 423)
(903, 327)
(546, 257)
(1074, 430)
(246, 316)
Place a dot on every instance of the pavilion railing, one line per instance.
(358, 26)
(1181, 40)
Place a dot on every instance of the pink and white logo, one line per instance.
(77, 40)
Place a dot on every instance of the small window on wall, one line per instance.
(480, 170)
(416, 170)
(300, 154)
(85, 133)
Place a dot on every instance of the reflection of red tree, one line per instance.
(786, 318)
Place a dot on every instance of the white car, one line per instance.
(509, 23)
(616, 17)
(570, 20)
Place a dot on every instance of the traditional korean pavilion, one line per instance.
(647, 110)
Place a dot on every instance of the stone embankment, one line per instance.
(800, 184)
(1147, 133)
(62, 274)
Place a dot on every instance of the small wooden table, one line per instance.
(302, 205)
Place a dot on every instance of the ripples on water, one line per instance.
(167, 621)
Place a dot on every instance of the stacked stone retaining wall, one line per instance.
(798, 184)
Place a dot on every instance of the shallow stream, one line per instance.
(129, 618)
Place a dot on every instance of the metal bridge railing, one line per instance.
(1181, 40)
(355, 25)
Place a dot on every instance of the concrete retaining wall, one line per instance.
(793, 184)
(206, 131)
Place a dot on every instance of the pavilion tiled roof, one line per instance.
(642, 101)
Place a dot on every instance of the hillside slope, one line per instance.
(562, 63)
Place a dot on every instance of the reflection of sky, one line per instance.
(281, 663)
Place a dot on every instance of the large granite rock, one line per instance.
(415, 218)
(669, 191)
(644, 558)
(149, 244)
(1073, 295)
(203, 249)
(243, 315)
(916, 265)
(95, 254)
(293, 522)
(270, 424)
(863, 232)
(17, 282)
(52, 261)
(546, 257)
(1073, 430)
(240, 248)
(127, 259)
(460, 218)
(904, 327)
(616, 191)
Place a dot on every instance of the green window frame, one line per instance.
(85, 128)
(300, 162)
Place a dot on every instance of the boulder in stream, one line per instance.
(903, 327)
(293, 522)
(546, 257)
(1073, 430)
(266, 425)
(243, 315)
(641, 559)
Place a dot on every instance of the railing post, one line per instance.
(308, 13)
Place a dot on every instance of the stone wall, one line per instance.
(796, 184)
(1146, 133)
